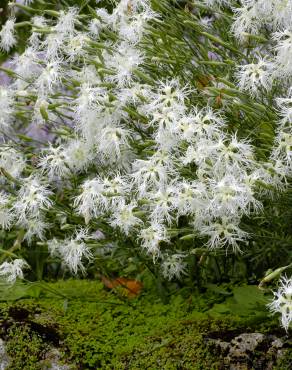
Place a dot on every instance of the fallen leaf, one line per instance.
(126, 287)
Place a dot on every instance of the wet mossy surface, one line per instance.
(97, 329)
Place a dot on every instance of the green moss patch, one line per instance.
(96, 329)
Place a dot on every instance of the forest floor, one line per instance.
(79, 324)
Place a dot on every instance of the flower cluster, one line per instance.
(13, 270)
(138, 152)
(269, 68)
(282, 302)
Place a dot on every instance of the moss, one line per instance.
(285, 361)
(95, 329)
(25, 348)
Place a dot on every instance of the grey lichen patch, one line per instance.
(251, 350)
(4, 359)
(52, 361)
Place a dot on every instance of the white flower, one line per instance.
(166, 118)
(12, 161)
(88, 98)
(283, 49)
(95, 111)
(282, 302)
(152, 173)
(126, 13)
(148, 174)
(6, 214)
(66, 21)
(224, 232)
(104, 16)
(6, 100)
(200, 123)
(168, 94)
(231, 196)
(26, 64)
(112, 140)
(78, 155)
(88, 77)
(161, 205)
(173, 266)
(218, 155)
(7, 35)
(50, 76)
(282, 151)
(281, 14)
(54, 44)
(6, 108)
(95, 27)
(191, 155)
(75, 47)
(39, 21)
(132, 30)
(151, 238)
(88, 119)
(34, 227)
(166, 141)
(115, 189)
(72, 251)
(190, 197)
(33, 197)
(246, 21)
(13, 270)
(124, 9)
(124, 218)
(92, 201)
(54, 162)
(124, 60)
(255, 77)
(133, 94)
(227, 155)
(34, 41)
(285, 106)
(272, 175)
